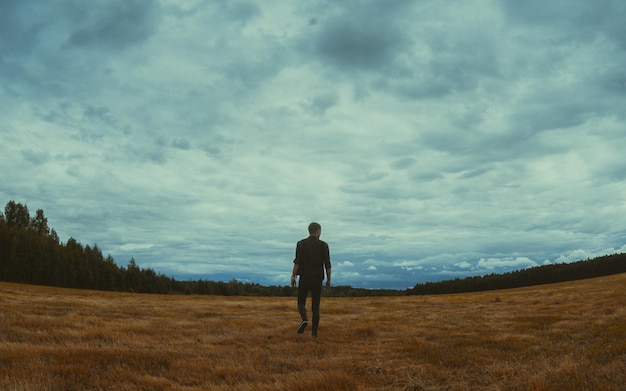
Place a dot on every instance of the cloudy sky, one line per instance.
(431, 139)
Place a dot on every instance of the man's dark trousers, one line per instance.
(313, 285)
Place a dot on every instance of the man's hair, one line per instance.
(314, 227)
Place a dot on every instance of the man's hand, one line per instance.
(328, 283)
(293, 281)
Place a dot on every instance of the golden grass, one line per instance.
(569, 336)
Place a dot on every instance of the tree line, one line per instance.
(545, 274)
(31, 253)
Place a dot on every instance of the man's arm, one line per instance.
(296, 265)
(293, 275)
(328, 277)
(327, 265)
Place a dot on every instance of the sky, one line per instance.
(432, 140)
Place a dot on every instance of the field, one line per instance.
(568, 336)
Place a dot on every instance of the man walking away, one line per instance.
(312, 258)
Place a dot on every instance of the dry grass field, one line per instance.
(569, 336)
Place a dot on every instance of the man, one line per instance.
(312, 258)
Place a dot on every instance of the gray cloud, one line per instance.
(318, 105)
(36, 157)
(111, 25)
(577, 20)
(360, 38)
(356, 45)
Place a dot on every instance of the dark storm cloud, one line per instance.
(357, 45)
(361, 36)
(36, 28)
(37, 61)
(403, 48)
(111, 24)
(21, 24)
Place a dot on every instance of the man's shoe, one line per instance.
(302, 326)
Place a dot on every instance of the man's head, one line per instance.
(315, 229)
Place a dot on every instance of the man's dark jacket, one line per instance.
(312, 257)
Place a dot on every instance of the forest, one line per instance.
(32, 253)
(546, 274)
